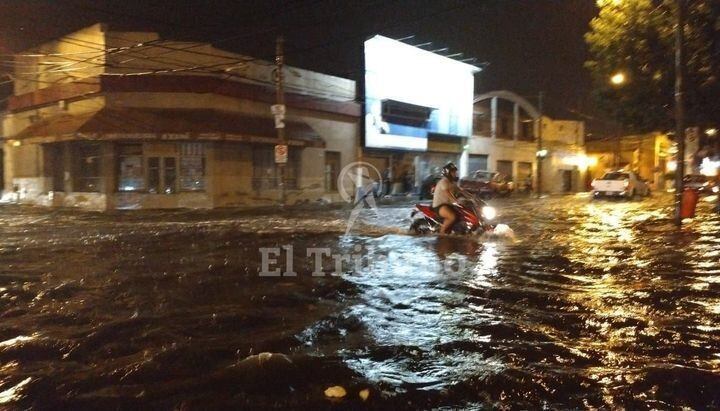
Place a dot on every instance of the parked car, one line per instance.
(624, 184)
(701, 183)
(487, 184)
(427, 188)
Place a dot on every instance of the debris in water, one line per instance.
(335, 391)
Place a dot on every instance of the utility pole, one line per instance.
(618, 147)
(540, 153)
(680, 105)
(278, 110)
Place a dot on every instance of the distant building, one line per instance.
(505, 139)
(650, 155)
(104, 119)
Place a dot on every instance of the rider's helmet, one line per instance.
(447, 171)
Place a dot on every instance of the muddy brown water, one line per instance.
(593, 304)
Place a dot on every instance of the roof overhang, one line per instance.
(166, 124)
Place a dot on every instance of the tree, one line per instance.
(636, 38)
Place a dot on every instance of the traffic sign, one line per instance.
(281, 153)
(278, 111)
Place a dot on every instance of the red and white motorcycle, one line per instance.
(474, 216)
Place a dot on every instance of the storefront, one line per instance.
(106, 161)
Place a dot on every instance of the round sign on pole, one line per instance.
(281, 153)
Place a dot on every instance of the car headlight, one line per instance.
(489, 212)
(716, 189)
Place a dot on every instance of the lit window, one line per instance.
(88, 170)
(130, 173)
(192, 166)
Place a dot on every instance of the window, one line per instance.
(162, 175)
(406, 114)
(154, 175)
(192, 166)
(504, 131)
(481, 124)
(527, 131)
(264, 170)
(130, 163)
(616, 176)
(266, 174)
(88, 169)
(477, 162)
(169, 175)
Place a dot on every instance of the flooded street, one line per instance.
(591, 304)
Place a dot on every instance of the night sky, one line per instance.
(530, 45)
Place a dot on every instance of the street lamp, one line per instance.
(618, 79)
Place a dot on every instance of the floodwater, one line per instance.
(590, 305)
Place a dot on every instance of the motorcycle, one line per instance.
(474, 216)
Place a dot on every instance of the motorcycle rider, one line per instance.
(445, 196)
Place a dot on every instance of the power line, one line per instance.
(203, 68)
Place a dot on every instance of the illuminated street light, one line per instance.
(711, 132)
(542, 153)
(617, 79)
(581, 161)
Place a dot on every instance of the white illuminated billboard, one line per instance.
(410, 92)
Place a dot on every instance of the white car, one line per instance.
(624, 184)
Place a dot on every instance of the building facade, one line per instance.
(418, 111)
(505, 139)
(103, 119)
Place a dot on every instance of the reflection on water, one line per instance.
(598, 304)
(13, 393)
(591, 305)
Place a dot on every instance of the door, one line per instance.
(524, 176)
(506, 168)
(332, 170)
(567, 177)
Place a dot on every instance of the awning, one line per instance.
(167, 124)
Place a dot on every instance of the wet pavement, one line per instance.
(590, 305)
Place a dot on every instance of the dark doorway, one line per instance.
(55, 164)
(332, 170)
(567, 177)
